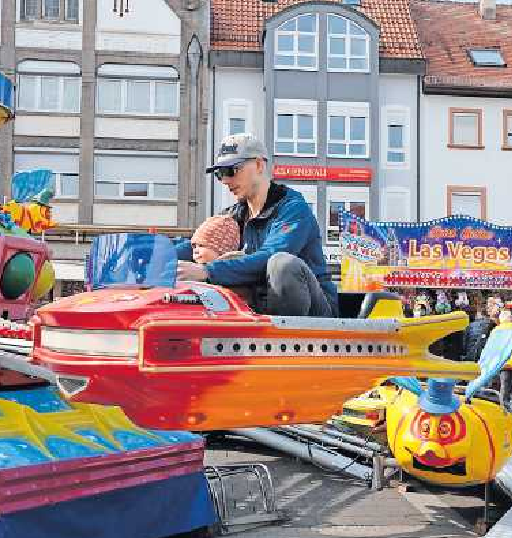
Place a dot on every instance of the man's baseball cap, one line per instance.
(236, 149)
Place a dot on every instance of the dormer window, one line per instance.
(297, 43)
(486, 58)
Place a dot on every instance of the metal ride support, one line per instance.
(321, 448)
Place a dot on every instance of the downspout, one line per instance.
(418, 149)
(212, 144)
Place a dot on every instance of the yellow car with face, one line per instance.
(438, 438)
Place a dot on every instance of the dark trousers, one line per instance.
(293, 290)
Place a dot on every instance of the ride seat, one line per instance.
(360, 305)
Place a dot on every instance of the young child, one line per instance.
(215, 237)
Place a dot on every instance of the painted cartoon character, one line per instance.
(421, 306)
(462, 301)
(435, 436)
(33, 217)
(443, 305)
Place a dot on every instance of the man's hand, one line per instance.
(191, 271)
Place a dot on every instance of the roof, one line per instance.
(447, 30)
(238, 24)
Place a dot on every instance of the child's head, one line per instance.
(216, 236)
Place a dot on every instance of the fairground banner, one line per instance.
(454, 252)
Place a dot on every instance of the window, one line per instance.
(49, 93)
(137, 90)
(296, 43)
(507, 129)
(65, 185)
(72, 10)
(465, 127)
(139, 177)
(471, 201)
(295, 127)
(347, 130)
(64, 165)
(237, 116)
(29, 10)
(353, 199)
(486, 58)
(51, 9)
(396, 136)
(47, 86)
(236, 126)
(348, 45)
(396, 204)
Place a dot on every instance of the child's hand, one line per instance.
(191, 271)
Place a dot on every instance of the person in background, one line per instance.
(280, 234)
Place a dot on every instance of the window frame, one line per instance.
(22, 15)
(347, 37)
(295, 54)
(451, 125)
(348, 110)
(346, 195)
(464, 189)
(295, 108)
(486, 64)
(396, 115)
(122, 111)
(507, 117)
(173, 182)
(234, 109)
(40, 8)
(406, 193)
(61, 78)
(58, 186)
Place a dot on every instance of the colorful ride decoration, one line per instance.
(26, 273)
(33, 217)
(78, 459)
(450, 439)
(191, 355)
(6, 100)
(438, 438)
(456, 252)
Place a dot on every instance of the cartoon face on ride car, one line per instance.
(461, 448)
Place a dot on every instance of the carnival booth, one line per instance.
(454, 263)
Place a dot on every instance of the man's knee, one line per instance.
(283, 263)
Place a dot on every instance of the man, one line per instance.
(280, 237)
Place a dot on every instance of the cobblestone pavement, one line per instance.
(320, 503)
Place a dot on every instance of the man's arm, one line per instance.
(288, 233)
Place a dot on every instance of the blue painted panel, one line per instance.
(41, 399)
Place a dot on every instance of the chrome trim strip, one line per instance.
(335, 324)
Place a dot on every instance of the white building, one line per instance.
(360, 148)
(466, 110)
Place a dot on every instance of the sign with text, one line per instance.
(459, 248)
(321, 173)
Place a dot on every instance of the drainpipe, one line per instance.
(212, 143)
(418, 149)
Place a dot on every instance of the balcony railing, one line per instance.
(84, 233)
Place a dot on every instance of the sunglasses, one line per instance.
(230, 171)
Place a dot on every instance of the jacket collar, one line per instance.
(275, 194)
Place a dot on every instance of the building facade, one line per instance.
(334, 94)
(110, 96)
(466, 109)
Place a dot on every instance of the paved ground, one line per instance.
(324, 504)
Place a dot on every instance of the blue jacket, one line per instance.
(285, 224)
